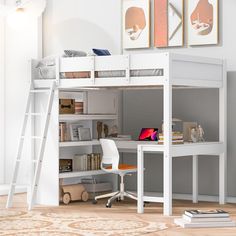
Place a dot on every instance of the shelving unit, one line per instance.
(104, 109)
(183, 71)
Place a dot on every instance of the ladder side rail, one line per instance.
(42, 147)
(19, 151)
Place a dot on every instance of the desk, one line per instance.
(189, 149)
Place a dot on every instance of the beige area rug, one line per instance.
(40, 222)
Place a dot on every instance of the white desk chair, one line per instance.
(110, 164)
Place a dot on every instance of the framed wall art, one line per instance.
(202, 17)
(136, 24)
(168, 23)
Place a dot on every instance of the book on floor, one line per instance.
(205, 219)
(186, 224)
(206, 213)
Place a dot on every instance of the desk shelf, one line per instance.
(93, 142)
(81, 174)
(74, 117)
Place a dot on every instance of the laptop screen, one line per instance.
(148, 134)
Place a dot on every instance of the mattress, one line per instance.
(112, 74)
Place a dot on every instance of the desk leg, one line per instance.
(222, 178)
(167, 184)
(195, 179)
(140, 180)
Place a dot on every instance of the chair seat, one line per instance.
(124, 167)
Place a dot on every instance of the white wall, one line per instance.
(2, 67)
(227, 35)
(20, 47)
(82, 25)
(190, 105)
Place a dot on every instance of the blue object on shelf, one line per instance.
(101, 52)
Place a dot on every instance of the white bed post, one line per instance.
(195, 179)
(223, 137)
(140, 180)
(167, 106)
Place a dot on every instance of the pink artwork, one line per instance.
(203, 22)
(136, 24)
(160, 23)
(168, 23)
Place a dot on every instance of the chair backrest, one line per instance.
(110, 154)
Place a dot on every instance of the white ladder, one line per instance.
(42, 139)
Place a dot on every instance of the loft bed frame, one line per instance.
(178, 71)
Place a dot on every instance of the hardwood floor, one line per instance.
(127, 210)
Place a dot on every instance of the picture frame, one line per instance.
(84, 134)
(187, 127)
(168, 23)
(203, 22)
(136, 24)
(74, 136)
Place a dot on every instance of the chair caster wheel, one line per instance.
(108, 205)
(118, 200)
(94, 201)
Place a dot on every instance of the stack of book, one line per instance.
(87, 162)
(121, 137)
(177, 138)
(205, 219)
(62, 131)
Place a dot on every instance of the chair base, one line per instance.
(116, 195)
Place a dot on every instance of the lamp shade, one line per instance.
(22, 15)
(35, 7)
(32, 7)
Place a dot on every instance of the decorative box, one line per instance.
(67, 106)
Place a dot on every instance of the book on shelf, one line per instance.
(62, 132)
(86, 162)
(177, 138)
(205, 218)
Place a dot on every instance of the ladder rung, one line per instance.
(35, 161)
(34, 137)
(39, 90)
(34, 114)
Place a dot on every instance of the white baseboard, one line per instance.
(177, 196)
(4, 189)
(204, 198)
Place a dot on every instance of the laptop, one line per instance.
(148, 134)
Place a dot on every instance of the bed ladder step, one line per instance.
(39, 90)
(34, 114)
(38, 161)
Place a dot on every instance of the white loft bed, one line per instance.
(179, 70)
(176, 71)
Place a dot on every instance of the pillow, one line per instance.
(101, 52)
(46, 61)
(74, 53)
